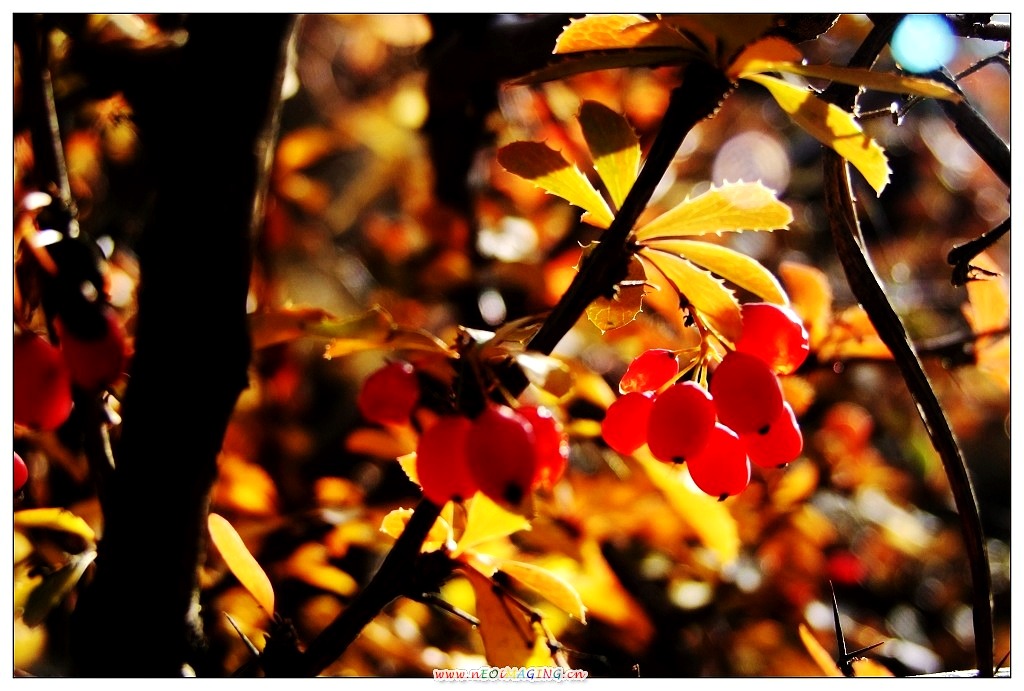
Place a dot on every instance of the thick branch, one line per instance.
(200, 117)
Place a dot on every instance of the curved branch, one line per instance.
(868, 290)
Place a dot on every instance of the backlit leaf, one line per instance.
(821, 656)
(852, 335)
(988, 299)
(547, 373)
(604, 31)
(283, 324)
(627, 302)
(866, 667)
(877, 81)
(568, 65)
(508, 633)
(240, 561)
(725, 33)
(371, 330)
(395, 441)
(733, 207)
(708, 517)
(833, 127)
(717, 305)
(407, 461)
(614, 147)
(440, 534)
(55, 519)
(548, 169)
(762, 56)
(55, 587)
(310, 563)
(735, 267)
(486, 521)
(553, 587)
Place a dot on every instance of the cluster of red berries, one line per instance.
(44, 373)
(503, 452)
(742, 417)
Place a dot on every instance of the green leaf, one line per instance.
(55, 587)
(735, 267)
(833, 127)
(614, 147)
(240, 561)
(622, 308)
(716, 304)
(548, 169)
(733, 207)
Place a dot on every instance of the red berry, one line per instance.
(389, 395)
(681, 421)
(502, 457)
(775, 334)
(42, 385)
(20, 472)
(624, 427)
(552, 445)
(748, 396)
(781, 444)
(441, 464)
(649, 371)
(722, 468)
(97, 362)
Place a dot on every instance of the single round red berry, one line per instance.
(389, 395)
(42, 384)
(775, 334)
(681, 421)
(441, 464)
(624, 426)
(748, 395)
(20, 472)
(97, 362)
(781, 444)
(649, 371)
(552, 445)
(502, 456)
(722, 468)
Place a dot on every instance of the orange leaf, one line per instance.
(810, 296)
(240, 561)
(606, 31)
(508, 633)
(619, 310)
(762, 56)
(554, 588)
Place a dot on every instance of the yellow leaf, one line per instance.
(548, 169)
(853, 336)
(606, 31)
(878, 81)
(733, 207)
(735, 267)
(717, 305)
(395, 441)
(55, 519)
(440, 534)
(866, 667)
(241, 562)
(709, 518)
(810, 297)
(486, 521)
(833, 127)
(988, 299)
(724, 33)
(614, 147)
(553, 587)
(762, 55)
(408, 463)
(619, 310)
(547, 373)
(310, 563)
(818, 653)
(508, 634)
(795, 485)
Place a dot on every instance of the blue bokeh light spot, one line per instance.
(923, 42)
